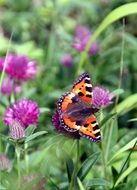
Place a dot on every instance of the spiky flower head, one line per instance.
(5, 163)
(81, 39)
(35, 181)
(101, 97)
(67, 60)
(16, 130)
(25, 111)
(19, 67)
(9, 86)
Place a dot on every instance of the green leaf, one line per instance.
(129, 135)
(118, 91)
(131, 39)
(37, 157)
(53, 183)
(97, 182)
(116, 14)
(132, 120)
(3, 101)
(3, 44)
(29, 48)
(107, 118)
(81, 187)
(114, 173)
(44, 110)
(126, 105)
(110, 137)
(3, 137)
(123, 149)
(2, 187)
(126, 173)
(125, 164)
(70, 168)
(87, 165)
(35, 135)
(29, 130)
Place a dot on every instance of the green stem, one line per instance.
(7, 148)
(73, 178)
(121, 61)
(103, 149)
(52, 39)
(26, 157)
(17, 150)
(110, 134)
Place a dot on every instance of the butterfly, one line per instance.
(76, 111)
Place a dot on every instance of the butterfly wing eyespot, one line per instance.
(90, 129)
(83, 88)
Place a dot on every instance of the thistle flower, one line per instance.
(60, 129)
(101, 97)
(8, 87)
(67, 60)
(81, 39)
(5, 163)
(25, 111)
(19, 67)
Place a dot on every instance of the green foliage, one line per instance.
(87, 165)
(44, 30)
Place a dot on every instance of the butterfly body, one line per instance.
(76, 112)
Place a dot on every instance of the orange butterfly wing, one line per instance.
(83, 88)
(90, 129)
(64, 103)
(81, 91)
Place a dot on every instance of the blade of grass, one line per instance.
(87, 165)
(126, 105)
(70, 168)
(81, 186)
(97, 182)
(132, 120)
(111, 139)
(125, 174)
(35, 135)
(123, 149)
(125, 164)
(121, 62)
(5, 61)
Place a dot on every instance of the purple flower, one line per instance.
(5, 163)
(60, 129)
(19, 67)
(25, 111)
(16, 130)
(67, 60)
(34, 181)
(81, 39)
(9, 86)
(101, 97)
